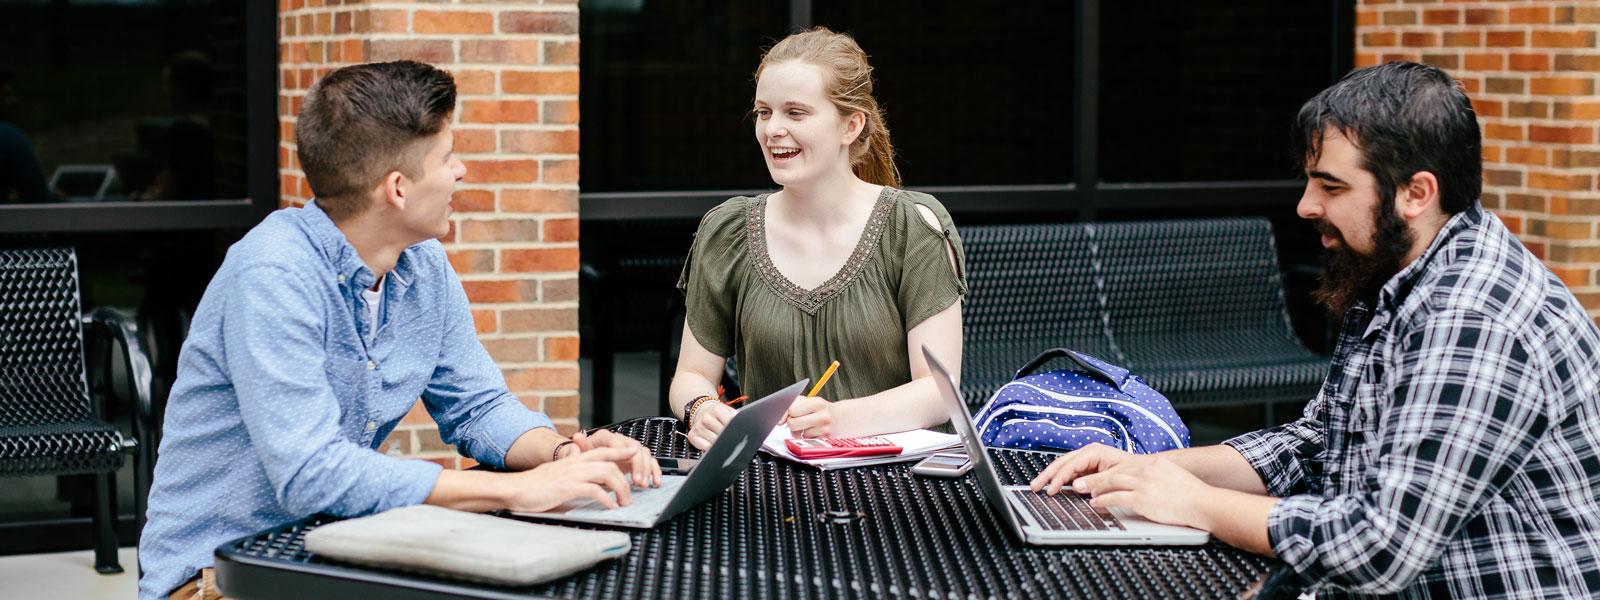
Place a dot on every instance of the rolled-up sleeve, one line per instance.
(1286, 456)
(1465, 413)
(272, 333)
(467, 393)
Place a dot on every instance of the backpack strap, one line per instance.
(1112, 374)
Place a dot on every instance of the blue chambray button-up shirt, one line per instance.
(280, 402)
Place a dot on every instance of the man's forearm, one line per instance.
(1220, 466)
(472, 491)
(533, 448)
(1236, 507)
(1237, 518)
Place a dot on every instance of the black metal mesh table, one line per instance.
(789, 531)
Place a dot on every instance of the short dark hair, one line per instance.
(1405, 118)
(362, 122)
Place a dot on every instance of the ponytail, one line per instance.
(871, 155)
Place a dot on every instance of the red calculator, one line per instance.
(809, 448)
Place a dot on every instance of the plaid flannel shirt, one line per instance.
(1454, 450)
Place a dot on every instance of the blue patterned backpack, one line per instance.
(1072, 408)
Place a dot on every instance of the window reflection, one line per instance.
(666, 93)
(975, 93)
(1204, 90)
(121, 101)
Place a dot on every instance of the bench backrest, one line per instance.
(1032, 281)
(1139, 294)
(1192, 289)
(41, 338)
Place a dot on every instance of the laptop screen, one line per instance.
(988, 479)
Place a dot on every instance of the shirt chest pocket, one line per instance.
(348, 376)
(1363, 426)
(409, 357)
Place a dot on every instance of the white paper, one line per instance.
(914, 445)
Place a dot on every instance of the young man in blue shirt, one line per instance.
(1454, 450)
(322, 328)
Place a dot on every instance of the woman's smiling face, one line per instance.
(801, 134)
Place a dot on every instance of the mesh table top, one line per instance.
(789, 531)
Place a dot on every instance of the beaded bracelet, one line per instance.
(693, 406)
(555, 455)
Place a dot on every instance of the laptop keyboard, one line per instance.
(1067, 512)
(647, 502)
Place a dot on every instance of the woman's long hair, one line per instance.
(848, 83)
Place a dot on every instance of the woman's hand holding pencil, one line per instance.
(812, 416)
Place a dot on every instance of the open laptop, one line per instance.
(1066, 518)
(718, 468)
(82, 183)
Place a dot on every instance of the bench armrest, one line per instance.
(123, 331)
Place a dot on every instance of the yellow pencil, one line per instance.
(816, 388)
(825, 375)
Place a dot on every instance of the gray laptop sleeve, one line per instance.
(448, 543)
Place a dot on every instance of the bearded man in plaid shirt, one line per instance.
(1454, 450)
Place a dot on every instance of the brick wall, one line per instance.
(1532, 69)
(514, 238)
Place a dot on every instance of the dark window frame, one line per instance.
(261, 163)
(1086, 199)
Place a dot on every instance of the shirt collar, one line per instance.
(1398, 286)
(344, 259)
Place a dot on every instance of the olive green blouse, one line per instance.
(739, 305)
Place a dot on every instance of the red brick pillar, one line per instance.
(514, 238)
(1531, 68)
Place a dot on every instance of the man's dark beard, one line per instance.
(1348, 276)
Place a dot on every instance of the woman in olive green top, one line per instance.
(838, 265)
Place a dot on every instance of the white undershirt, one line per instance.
(374, 301)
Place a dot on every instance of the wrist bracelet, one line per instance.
(555, 455)
(689, 410)
(693, 406)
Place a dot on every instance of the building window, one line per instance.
(1206, 90)
(128, 100)
(976, 94)
(667, 91)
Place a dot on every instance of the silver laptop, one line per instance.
(718, 468)
(1066, 518)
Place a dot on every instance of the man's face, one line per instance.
(427, 212)
(1363, 238)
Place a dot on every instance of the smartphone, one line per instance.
(676, 466)
(943, 465)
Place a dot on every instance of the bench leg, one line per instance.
(1268, 415)
(105, 532)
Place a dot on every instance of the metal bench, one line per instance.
(1195, 307)
(49, 423)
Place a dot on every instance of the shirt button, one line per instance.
(372, 425)
(341, 279)
(371, 365)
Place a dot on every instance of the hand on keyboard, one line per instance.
(590, 474)
(641, 468)
(1151, 485)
